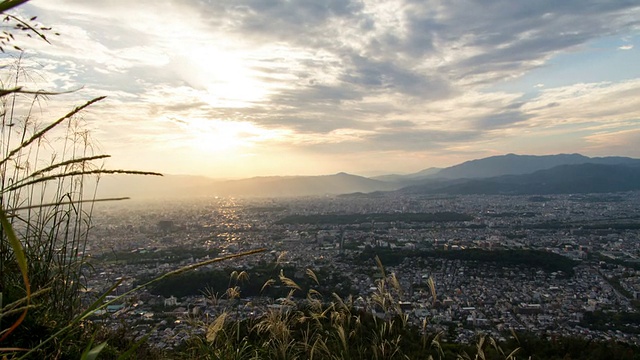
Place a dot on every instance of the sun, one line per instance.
(226, 136)
(227, 77)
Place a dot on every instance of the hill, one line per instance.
(480, 176)
(184, 186)
(420, 175)
(512, 164)
(340, 183)
(564, 179)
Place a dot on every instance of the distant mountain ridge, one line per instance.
(181, 186)
(512, 164)
(340, 183)
(422, 174)
(563, 179)
(515, 174)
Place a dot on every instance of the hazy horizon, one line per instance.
(370, 174)
(238, 89)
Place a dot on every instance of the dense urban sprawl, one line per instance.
(597, 233)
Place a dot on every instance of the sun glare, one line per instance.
(226, 76)
(220, 136)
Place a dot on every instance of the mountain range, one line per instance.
(512, 164)
(183, 186)
(504, 174)
(562, 179)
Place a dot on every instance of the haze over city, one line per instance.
(233, 89)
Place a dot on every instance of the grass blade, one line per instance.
(22, 264)
(61, 203)
(19, 185)
(41, 133)
(127, 354)
(68, 162)
(92, 354)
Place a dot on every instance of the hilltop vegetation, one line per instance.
(196, 283)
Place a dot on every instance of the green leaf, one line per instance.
(93, 353)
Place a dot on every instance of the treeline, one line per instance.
(529, 258)
(347, 219)
(527, 214)
(613, 226)
(608, 260)
(628, 322)
(558, 225)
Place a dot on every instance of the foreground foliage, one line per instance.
(48, 177)
(336, 328)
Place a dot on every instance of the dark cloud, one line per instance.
(307, 121)
(423, 31)
(299, 13)
(515, 105)
(399, 124)
(388, 76)
(500, 120)
(314, 124)
(297, 21)
(318, 95)
(420, 139)
(511, 35)
(398, 140)
(518, 54)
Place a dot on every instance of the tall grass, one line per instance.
(320, 326)
(49, 173)
(48, 176)
(324, 326)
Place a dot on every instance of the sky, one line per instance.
(232, 89)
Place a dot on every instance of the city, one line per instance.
(588, 273)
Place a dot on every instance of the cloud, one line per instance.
(601, 103)
(394, 124)
(501, 120)
(354, 76)
(387, 76)
(420, 139)
(621, 142)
